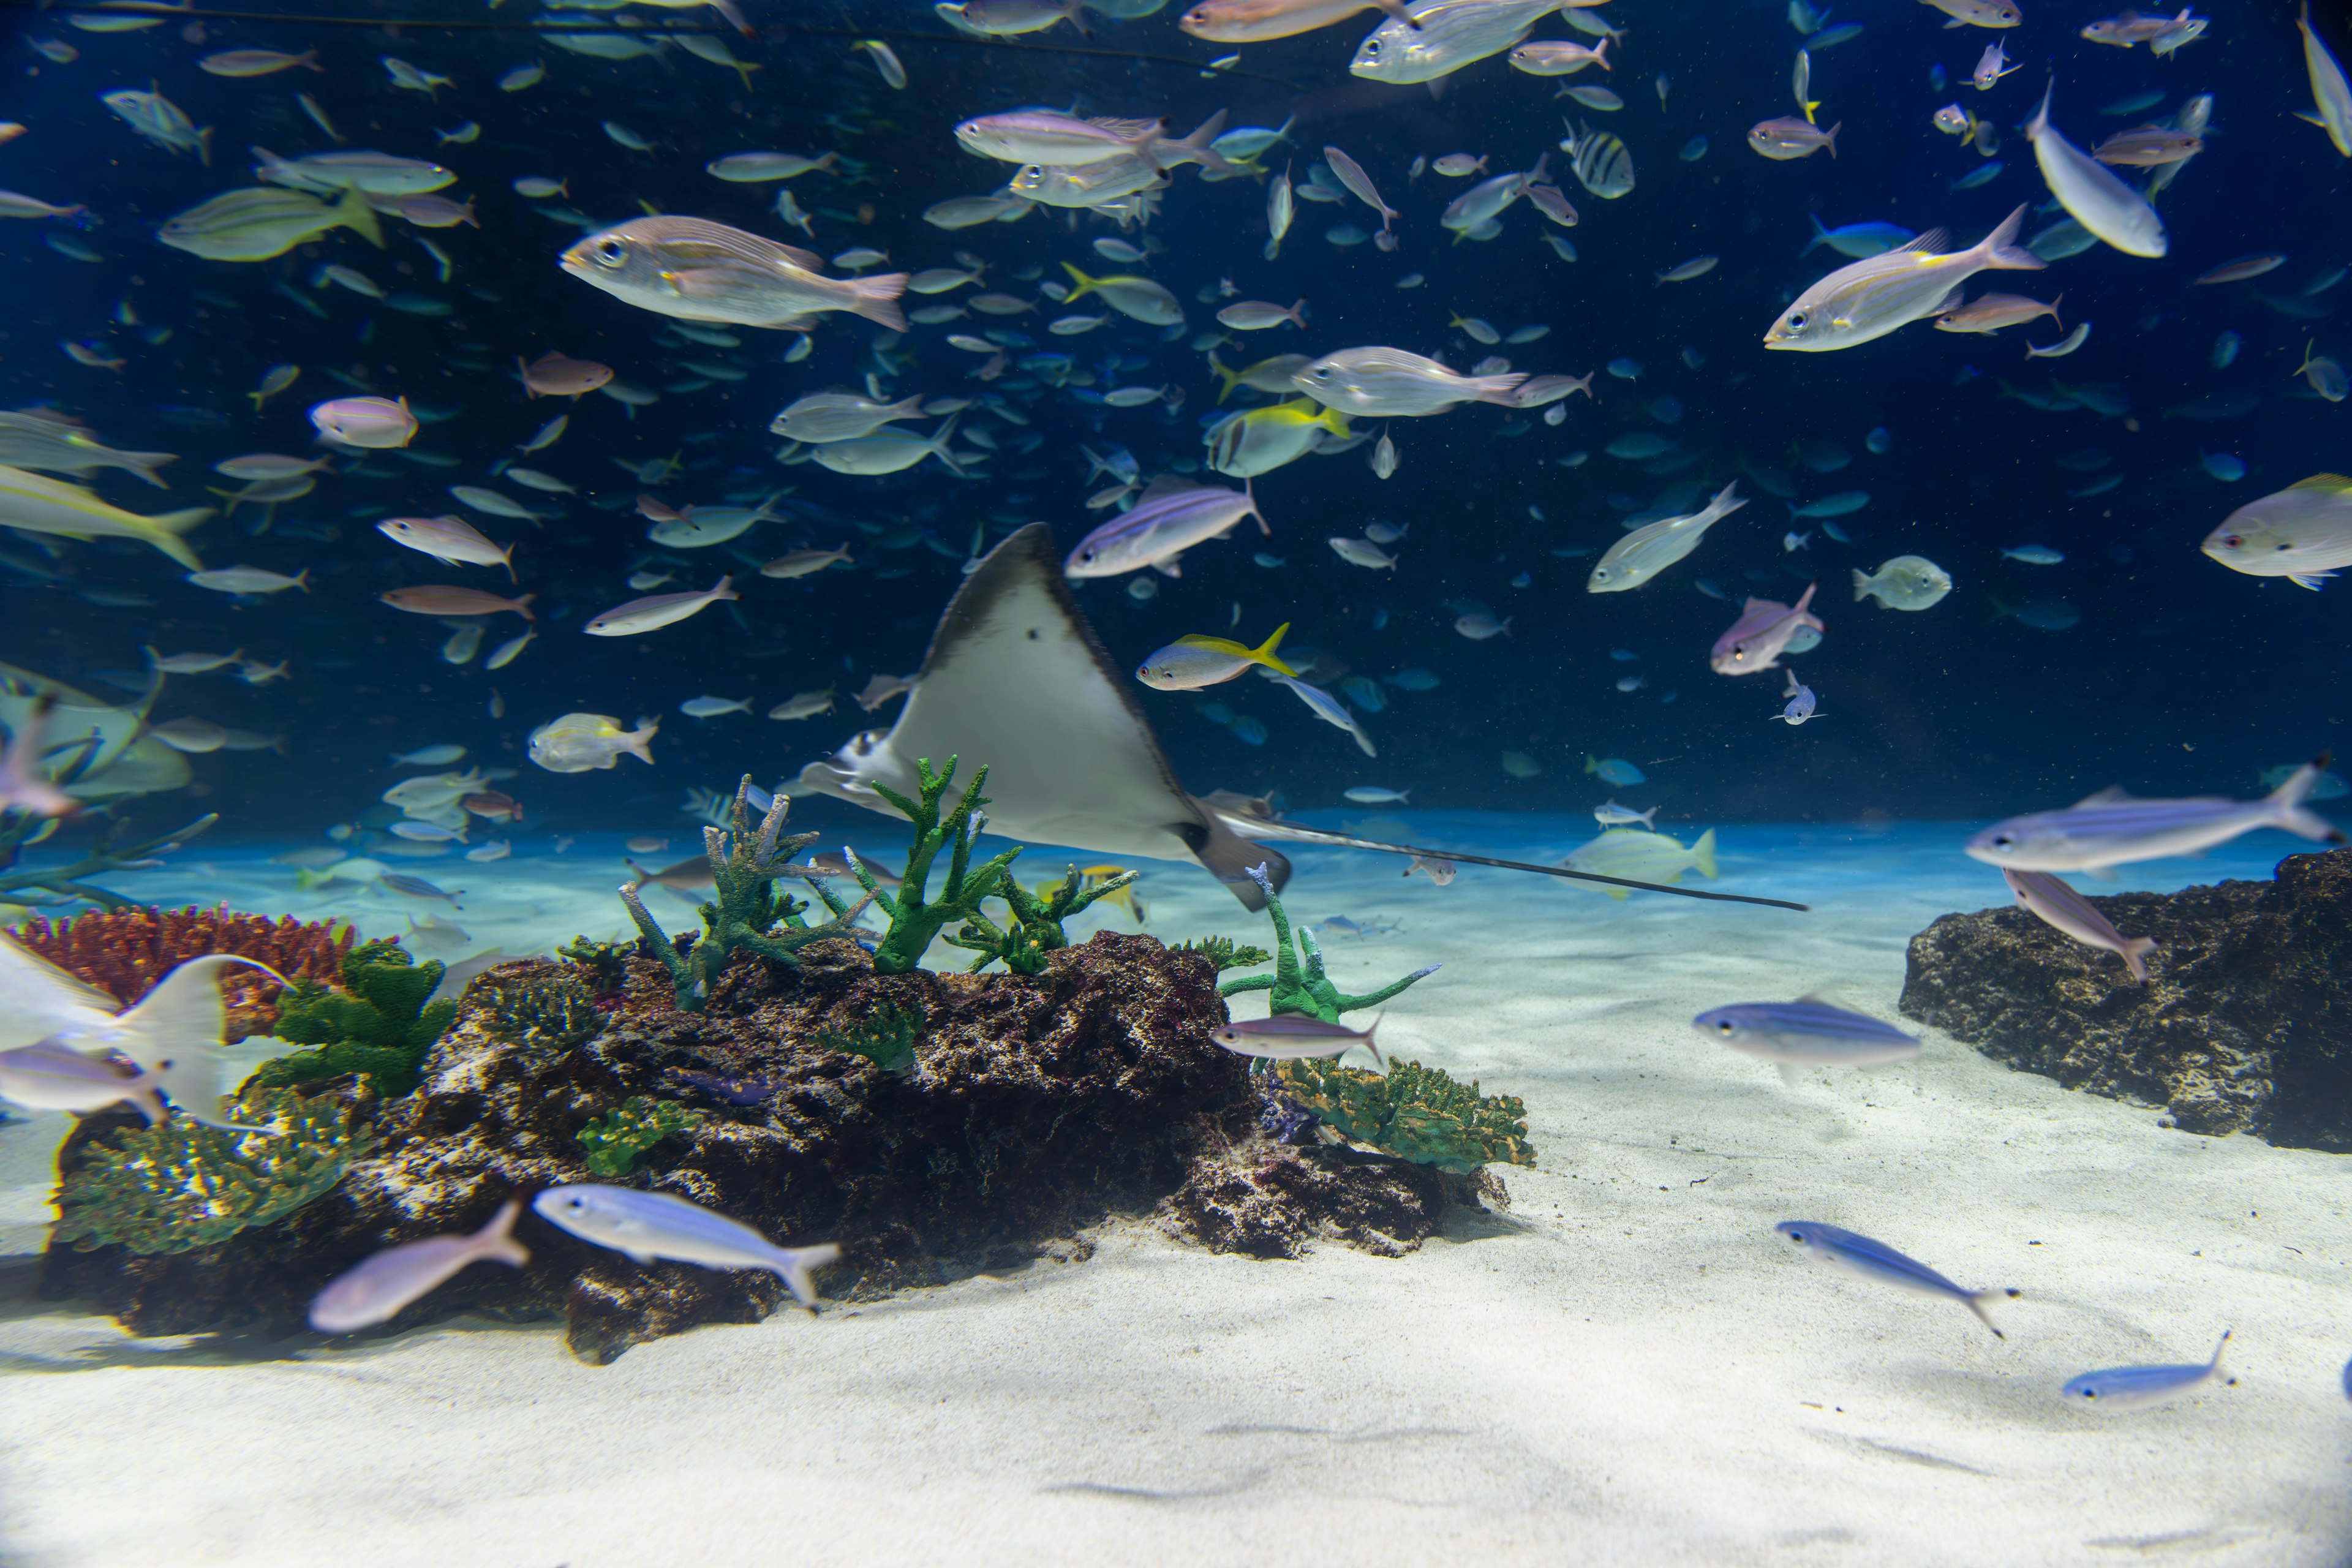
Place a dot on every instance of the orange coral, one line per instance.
(123, 951)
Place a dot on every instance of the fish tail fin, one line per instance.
(793, 1265)
(175, 1031)
(1600, 51)
(1249, 491)
(939, 448)
(205, 146)
(1298, 313)
(522, 604)
(1977, 1300)
(2000, 251)
(2287, 802)
(2136, 951)
(1086, 284)
(1821, 235)
(506, 559)
(1498, 388)
(1263, 653)
(877, 299)
(144, 465)
(1860, 586)
(163, 532)
(2054, 317)
(351, 211)
(735, 19)
(1227, 379)
(497, 1237)
(1196, 147)
(1829, 137)
(1333, 420)
(1702, 855)
(1374, 1045)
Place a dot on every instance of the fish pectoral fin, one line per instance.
(2113, 794)
(2310, 580)
(695, 282)
(1789, 1076)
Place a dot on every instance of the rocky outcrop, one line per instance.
(2244, 1023)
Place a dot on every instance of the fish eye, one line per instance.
(2002, 841)
(610, 252)
(2232, 542)
(1726, 1027)
(1797, 320)
(1371, 48)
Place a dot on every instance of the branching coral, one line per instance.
(1300, 985)
(612, 1142)
(1224, 953)
(177, 1186)
(1035, 929)
(885, 1037)
(747, 912)
(378, 1023)
(544, 1004)
(122, 951)
(1415, 1113)
(915, 918)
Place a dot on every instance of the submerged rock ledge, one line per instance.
(2244, 1023)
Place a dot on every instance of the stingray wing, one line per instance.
(1017, 678)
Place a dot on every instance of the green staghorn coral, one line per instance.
(1300, 986)
(746, 911)
(915, 919)
(887, 1038)
(1035, 929)
(1415, 1113)
(377, 1022)
(612, 1141)
(1224, 953)
(545, 1004)
(177, 1186)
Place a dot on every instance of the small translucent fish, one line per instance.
(885, 61)
(522, 77)
(1809, 1032)
(1693, 149)
(1865, 1258)
(646, 1226)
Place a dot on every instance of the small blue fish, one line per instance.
(1840, 534)
(1809, 1032)
(1328, 709)
(1867, 1259)
(1249, 731)
(1413, 680)
(1693, 149)
(1859, 240)
(2131, 1387)
(1623, 655)
(1625, 369)
(2033, 555)
(1880, 441)
(1365, 693)
(648, 1225)
(1712, 589)
(1980, 176)
(1831, 37)
(1270, 561)
(2224, 467)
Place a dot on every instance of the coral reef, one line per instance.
(177, 1186)
(1300, 984)
(1414, 1112)
(378, 1022)
(124, 951)
(1264, 1200)
(612, 1141)
(1037, 1105)
(885, 1037)
(915, 918)
(1035, 929)
(2243, 1025)
(538, 1003)
(746, 911)
(1222, 953)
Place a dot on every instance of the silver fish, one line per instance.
(2111, 829)
(2090, 192)
(1651, 548)
(1387, 382)
(375, 1291)
(1809, 1032)
(1169, 519)
(646, 1226)
(1867, 1259)
(1869, 299)
(703, 271)
(1764, 631)
(1443, 36)
(2062, 909)
(2131, 1387)
(1288, 1036)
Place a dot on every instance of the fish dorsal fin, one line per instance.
(1128, 129)
(2113, 794)
(2333, 484)
(1825, 996)
(1935, 239)
(806, 260)
(1163, 485)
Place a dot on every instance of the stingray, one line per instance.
(1017, 680)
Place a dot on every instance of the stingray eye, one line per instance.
(609, 252)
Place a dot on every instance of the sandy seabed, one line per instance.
(1627, 1367)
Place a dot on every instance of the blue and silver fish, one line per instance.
(1809, 1032)
(1169, 519)
(2111, 829)
(2130, 1387)
(1328, 709)
(649, 1226)
(1867, 1259)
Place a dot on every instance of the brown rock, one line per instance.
(2244, 1023)
(1267, 1200)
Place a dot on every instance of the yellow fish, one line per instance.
(37, 504)
(1192, 662)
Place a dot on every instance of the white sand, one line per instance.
(1629, 1367)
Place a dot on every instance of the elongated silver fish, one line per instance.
(703, 271)
(2132, 1387)
(1443, 36)
(2061, 908)
(375, 1290)
(1651, 548)
(2111, 829)
(649, 1226)
(1871, 298)
(1287, 1036)
(1170, 518)
(2090, 192)
(1874, 1260)
(1811, 1031)
(1386, 383)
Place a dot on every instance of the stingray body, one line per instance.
(1015, 679)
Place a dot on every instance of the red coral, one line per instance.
(123, 951)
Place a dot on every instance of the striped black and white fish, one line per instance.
(1601, 164)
